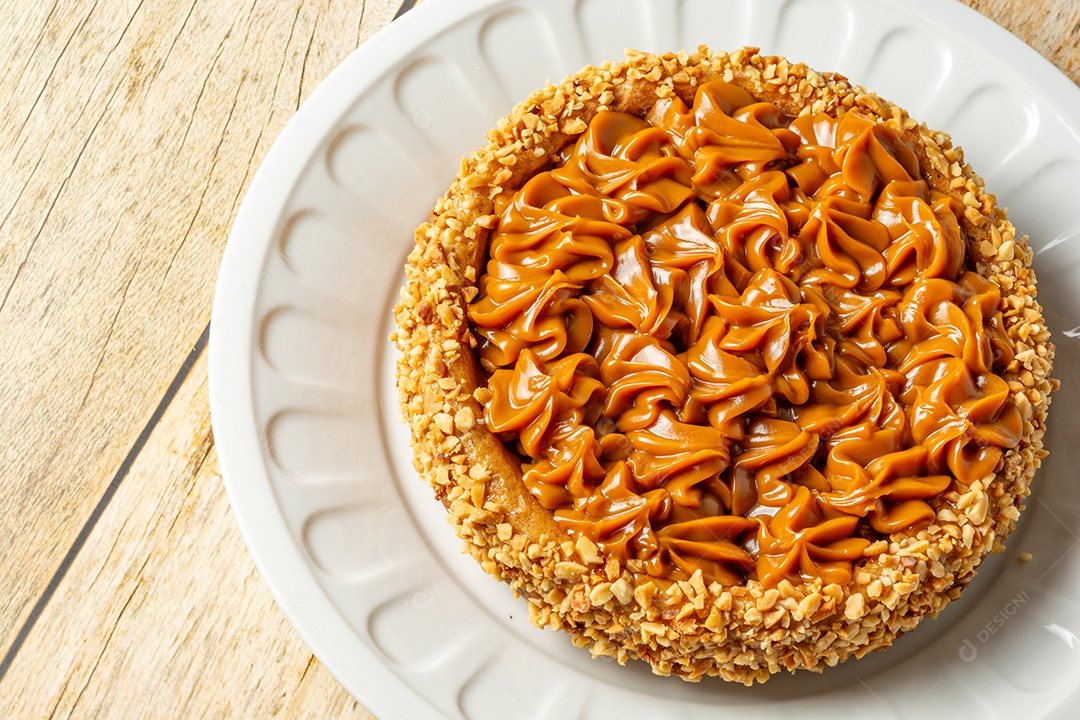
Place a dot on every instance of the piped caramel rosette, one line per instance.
(726, 373)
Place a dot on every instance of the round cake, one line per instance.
(723, 364)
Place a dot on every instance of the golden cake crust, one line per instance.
(688, 628)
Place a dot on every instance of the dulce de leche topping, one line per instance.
(725, 340)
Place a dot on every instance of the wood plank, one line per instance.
(132, 130)
(1052, 27)
(164, 609)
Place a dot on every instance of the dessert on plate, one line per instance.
(723, 364)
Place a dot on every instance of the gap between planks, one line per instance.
(103, 502)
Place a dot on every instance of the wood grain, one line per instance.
(130, 132)
(133, 130)
(164, 608)
(1051, 27)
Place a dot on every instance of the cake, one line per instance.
(723, 364)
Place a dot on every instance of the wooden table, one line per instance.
(130, 132)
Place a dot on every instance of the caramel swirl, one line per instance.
(726, 341)
(533, 397)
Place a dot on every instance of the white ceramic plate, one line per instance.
(318, 469)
